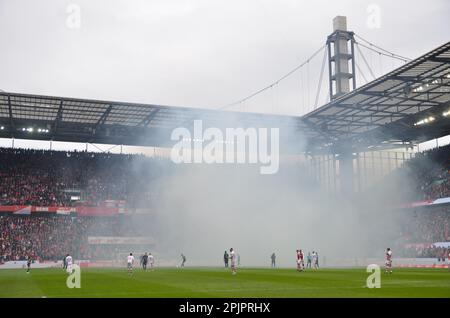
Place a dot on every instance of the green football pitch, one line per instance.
(218, 282)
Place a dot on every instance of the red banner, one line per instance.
(96, 211)
(81, 210)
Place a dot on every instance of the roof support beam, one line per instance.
(102, 118)
(100, 122)
(362, 108)
(147, 120)
(440, 59)
(58, 118)
(318, 130)
(414, 79)
(12, 127)
(405, 99)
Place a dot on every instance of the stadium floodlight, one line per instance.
(418, 89)
(424, 121)
(2, 127)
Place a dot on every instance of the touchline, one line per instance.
(236, 145)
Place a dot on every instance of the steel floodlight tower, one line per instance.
(341, 69)
(341, 58)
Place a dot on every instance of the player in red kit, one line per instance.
(388, 263)
(300, 262)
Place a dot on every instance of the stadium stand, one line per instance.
(431, 172)
(45, 178)
(423, 228)
(49, 238)
(427, 220)
(42, 178)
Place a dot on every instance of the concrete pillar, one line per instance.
(346, 173)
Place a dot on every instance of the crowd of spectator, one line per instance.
(428, 178)
(411, 251)
(430, 171)
(49, 178)
(52, 237)
(426, 225)
(420, 229)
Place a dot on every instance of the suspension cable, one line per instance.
(320, 78)
(277, 81)
(361, 72)
(369, 46)
(365, 61)
(380, 50)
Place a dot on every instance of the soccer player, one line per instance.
(302, 257)
(449, 259)
(233, 261)
(28, 263)
(316, 263)
(151, 260)
(388, 263)
(183, 260)
(144, 261)
(315, 257)
(273, 257)
(130, 261)
(225, 259)
(300, 263)
(69, 263)
(309, 260)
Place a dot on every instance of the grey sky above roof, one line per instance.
(191, 53)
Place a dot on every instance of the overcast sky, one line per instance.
(190, 53)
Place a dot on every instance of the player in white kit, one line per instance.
(130, 261)
(388, 263)
(69, 263)
(151, 260)
(233, 261)
(449, 259)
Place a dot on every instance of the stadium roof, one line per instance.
(82, 120)
(387, 108)
(381, 112)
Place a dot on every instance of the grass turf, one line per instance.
(218, 282)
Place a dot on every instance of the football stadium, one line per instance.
(323, 174)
